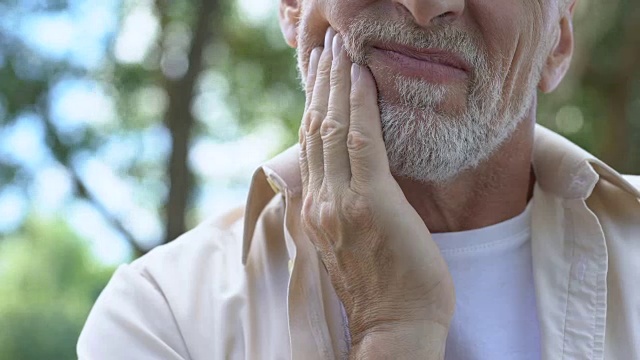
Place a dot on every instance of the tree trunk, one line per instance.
(180, 122)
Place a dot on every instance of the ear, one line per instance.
(559, 58)
(289, 15)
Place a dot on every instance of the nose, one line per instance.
(432, 12)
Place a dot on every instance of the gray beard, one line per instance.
(426, 145)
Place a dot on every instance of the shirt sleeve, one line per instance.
(131, 320)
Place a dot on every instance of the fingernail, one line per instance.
(328, 39)
(355, 73)
(337, 46)
(313, 61)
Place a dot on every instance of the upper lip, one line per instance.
(438, 56)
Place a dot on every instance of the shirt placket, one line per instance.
(308, 331)
(585, 316)
(570, 270)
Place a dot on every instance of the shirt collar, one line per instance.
(278, 175)
(561, 168)
(568, 171)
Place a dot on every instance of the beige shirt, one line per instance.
(252, 286)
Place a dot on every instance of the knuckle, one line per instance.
(358, 212)
(320, 221)
(357, 102)
(331, 127)
(357, 141)
(306, 213)
(327, 217)
(324, 68)
(337, 75)
(314, 117)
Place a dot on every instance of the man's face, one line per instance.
(454, 77)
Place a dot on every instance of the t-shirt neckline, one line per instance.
(485, 236)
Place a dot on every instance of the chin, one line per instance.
(419, 95)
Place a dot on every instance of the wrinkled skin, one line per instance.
(361, 235)
(372, 229)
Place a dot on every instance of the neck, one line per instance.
(497, 190)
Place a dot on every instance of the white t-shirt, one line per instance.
(495, 316)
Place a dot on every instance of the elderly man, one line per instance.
(423, 215)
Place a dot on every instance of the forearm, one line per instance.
(425, 342)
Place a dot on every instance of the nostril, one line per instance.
(429, 13)
(447, 17)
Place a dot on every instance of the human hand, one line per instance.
(378, 252)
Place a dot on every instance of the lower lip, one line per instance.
(408, 66)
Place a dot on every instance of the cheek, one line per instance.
(511, 32)
(340, 13)
(317, 16)
(500, 30)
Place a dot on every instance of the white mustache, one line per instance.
(364, 31)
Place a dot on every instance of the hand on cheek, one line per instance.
(354, 212)
(341, 132)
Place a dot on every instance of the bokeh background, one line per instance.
(124, 123)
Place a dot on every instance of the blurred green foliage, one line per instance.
(48, 280)
(598, 104)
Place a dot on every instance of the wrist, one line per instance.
(424, 340)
